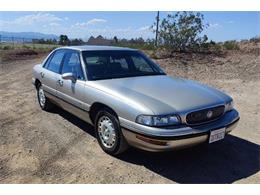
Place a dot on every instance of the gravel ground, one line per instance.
(56, 147)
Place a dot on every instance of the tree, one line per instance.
(115, 39)
(139, 40)
(181, 31)
(76, 42)
(64, 40)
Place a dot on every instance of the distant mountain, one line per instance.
(28, 36)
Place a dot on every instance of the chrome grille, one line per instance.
(205, 115)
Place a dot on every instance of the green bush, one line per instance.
(26, 47)
(6, 47)
(182, 31)
(231, 45)
(217, 48)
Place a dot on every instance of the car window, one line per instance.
(120, 60)
(72, 64)
(118, 64)
(56, 60)
(94, 60)
(46, 64)
(141, 65)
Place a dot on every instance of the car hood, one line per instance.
(163, 94)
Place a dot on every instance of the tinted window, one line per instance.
(118, 64)
(122, 61)
(72, 64)
(56, 60)
(48, 61)
(141, 64)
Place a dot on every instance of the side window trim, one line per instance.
(78, 53)
(83, 66)
(67, 51)
(62, 61)
(47, 62)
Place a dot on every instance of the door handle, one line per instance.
(42, 74)
(60, 82)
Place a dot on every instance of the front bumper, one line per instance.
(162, 139)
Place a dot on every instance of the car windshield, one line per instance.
(118, 64)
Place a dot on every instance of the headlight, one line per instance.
(229, 105)
(159, 121)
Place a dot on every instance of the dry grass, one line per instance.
(10, 52)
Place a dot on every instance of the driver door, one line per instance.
(72, 92)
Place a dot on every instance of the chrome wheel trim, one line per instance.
(41, 96)
(106, 132)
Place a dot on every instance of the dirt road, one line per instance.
(41, 147)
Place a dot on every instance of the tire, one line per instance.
(43, 101)
(108, 133)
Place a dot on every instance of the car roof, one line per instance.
(96, 47)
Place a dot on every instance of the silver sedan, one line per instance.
(130, 100)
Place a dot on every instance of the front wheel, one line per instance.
(44, 102)
(108, 133)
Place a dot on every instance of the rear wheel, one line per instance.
(44, 102)
(108, 133)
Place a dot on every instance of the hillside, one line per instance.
(231, 64)
(28, 36)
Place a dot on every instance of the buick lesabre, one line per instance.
(130, 100)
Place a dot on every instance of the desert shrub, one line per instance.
(26, 47)
(153, 55)
(217, 48)
(182, 31)
(214, 47)
(231, 45)
(28, 52)
(144, 46)
(244, 40)
(148, 46)
(6, 47)
(255, 39)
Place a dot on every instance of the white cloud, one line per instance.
(215, 25)
(30, 22)
(49, 23)
(144, 28)
(54, 24)
(82, 30)
(80, 24)
(91, 22)
(96, 21)
(36, 18)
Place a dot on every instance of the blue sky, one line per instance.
(222, 25)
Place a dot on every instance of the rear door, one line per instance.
(50, 72)
(72, 92)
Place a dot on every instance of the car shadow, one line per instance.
(88, 128)
(222, 162)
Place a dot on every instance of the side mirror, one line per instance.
(69, 76)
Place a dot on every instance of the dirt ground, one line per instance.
(56, 147)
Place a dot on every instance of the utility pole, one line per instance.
(157, 26)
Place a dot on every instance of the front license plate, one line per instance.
(217, 135)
